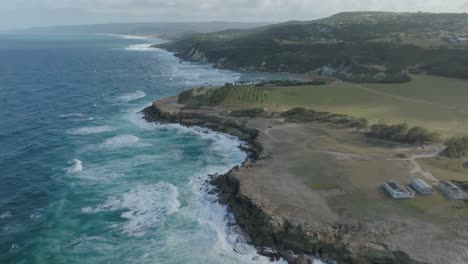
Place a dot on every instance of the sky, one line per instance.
(32, 13)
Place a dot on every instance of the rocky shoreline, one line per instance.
(338, 243)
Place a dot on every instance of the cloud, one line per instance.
(98, 11)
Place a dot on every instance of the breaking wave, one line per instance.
(77, 165)
(122, 141)
(6, 214)
(128, 97)
(145, 206)
(90, 130)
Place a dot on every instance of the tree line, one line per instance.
(402, 133)
(457, 147)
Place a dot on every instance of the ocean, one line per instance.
(83, 179)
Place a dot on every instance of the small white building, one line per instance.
(397, 191)
(421, 187)
(452, 191)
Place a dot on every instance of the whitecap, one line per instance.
(90, 130)
(85, 119)
(76, 167)
(14, 247)
(71, 115)
(35, 216)
(122, 141)
(145, 206)
(128, 97)
(6, 214)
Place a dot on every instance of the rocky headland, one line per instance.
(283, 217)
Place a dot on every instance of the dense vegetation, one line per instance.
(204, 96)
(457, 147)
(397, 133)
(402, 133)
(308, 115)
(359, 47)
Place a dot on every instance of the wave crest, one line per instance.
(128, 97)
(6, 214)
(76, 167)
(145, 206)
(122, 141)
(90, 130)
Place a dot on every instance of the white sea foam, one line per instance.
(90, 130)
(6, 214)
(72, 115)
(206, 210)
(35, 216)
(121, 141)
(145, 206)
(128, 97)
(77, 165)
(142, 47)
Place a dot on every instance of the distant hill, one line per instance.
(170, 30)
(354, 46)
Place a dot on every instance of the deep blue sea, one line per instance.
(83, 179)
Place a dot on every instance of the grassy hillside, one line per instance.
(358, 47)
(436, 103)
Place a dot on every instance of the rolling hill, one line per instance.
(355, 46)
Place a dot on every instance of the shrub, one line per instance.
(457, 147)
(402, 133)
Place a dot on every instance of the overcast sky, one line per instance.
(28, 13)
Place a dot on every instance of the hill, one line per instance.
(358, 47)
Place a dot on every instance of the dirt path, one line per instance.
(420, 101)
(418, 169)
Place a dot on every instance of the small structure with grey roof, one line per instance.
(397, 191)
(421, 187)
(452, 191)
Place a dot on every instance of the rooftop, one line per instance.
(421, 183)
(450, 185)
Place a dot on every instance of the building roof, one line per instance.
(452, 187)
(420, 183)
(396, 187)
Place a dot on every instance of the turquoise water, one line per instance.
(83, 179)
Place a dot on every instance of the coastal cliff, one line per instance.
(275, 234)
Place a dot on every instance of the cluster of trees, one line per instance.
(302, 114)
(205, 96)
(402, 133)
(457, 147)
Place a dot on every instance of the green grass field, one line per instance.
(436, 103)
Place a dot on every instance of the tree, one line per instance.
(362, 123)
(421, 135)
(457, 147)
